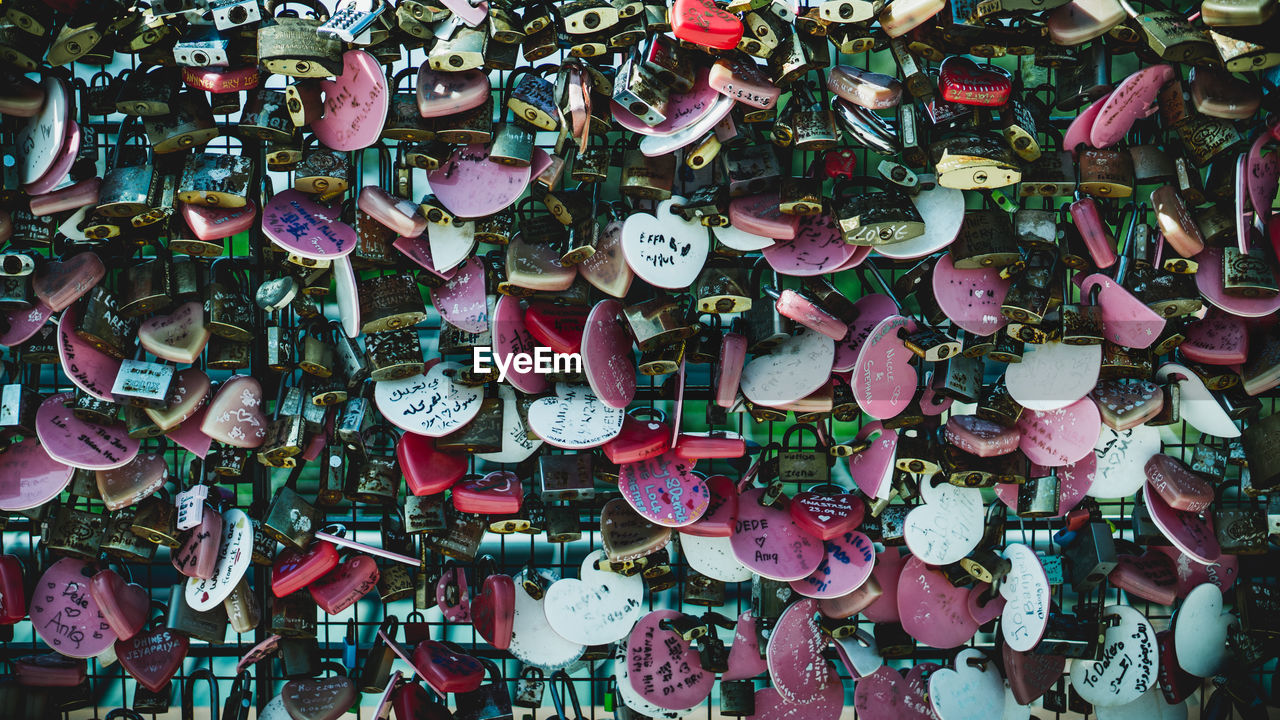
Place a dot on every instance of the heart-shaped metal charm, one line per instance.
(827, 515)
(235, 415)
(702, 22)
(493, 610)
(129, 484)
(153, 656)
(626, 535)
(179, 336)
(962, 81)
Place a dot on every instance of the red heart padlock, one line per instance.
(123, 604)
(721, 513)
(13, 595)
(293, 570)
(1030, 674)
(498, 493)
(153, 656)
(345, 584)
(493, 610)
(447, 670)
(702, 22)
(557, 326)
(827, 511)
(644, 435)
(962, 81)
(428, 470)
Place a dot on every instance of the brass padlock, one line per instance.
(291, 46)
(228, 312)
(874, 218)
(974, 161)
(986, 239)
(1106, 173)
(291, 519)
(390, 302)
(213, 180)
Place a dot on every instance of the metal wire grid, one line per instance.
(112, 688)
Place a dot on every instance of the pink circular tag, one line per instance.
(24, 323)
(932, 610)
(64, 613)
(796, 644)
(607, 358)
(664, 669)
(826, 705)
(816, 249)
(296, 222)
(511, 339)
(1126, 320)
(70, 440)
(355, 104)
(1074, 481)
(769, 542)
(1191, 533)
(1209, 283)
(90, 369)
(1060, 437)
(847, 565)
(970, 298)
(461, 300)
(872, 469)
(29, 477)
(664, 489)
(469, 185)
(883, 381)
(887, 572)
(886, 695)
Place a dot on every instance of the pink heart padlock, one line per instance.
(345, 584)
(123, 605)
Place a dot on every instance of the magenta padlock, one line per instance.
(345, 584)
(198, 556)
(124, 605)
(980, 437)
(453, 596)
(293, 570)
(711, 445)
(210, 223)
(441, 94)
(396, 214)
(498, 493)
(644, 435)
(1181, 488)
(411, 701)
(728, 371)
(793, 305)
(1088, 220)
(13, 596)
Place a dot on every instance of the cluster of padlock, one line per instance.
(1027, 246)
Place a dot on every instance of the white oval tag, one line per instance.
(713, 557)
(575, 418)
(969, 691)
(1122, 456)
(533, 642)
(1128, 665)
(1200, 631)
(664, 249)
(428, 404)
(795, 369)
(598, 607)
(234, 555)
(1053, 375)
(517, 442)
(1026, 593)
(947, 526)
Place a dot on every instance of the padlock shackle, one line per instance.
(568, 682)
(188, 694)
